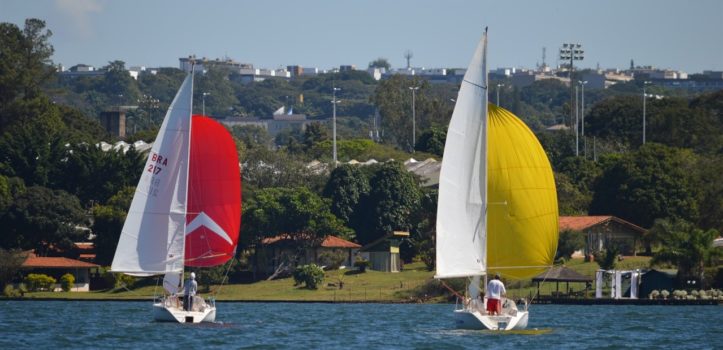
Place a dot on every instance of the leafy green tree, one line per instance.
(79, 127)
(67, 281)
(264, 168)
(393, 198)
(558, 146)
(95, 175)
(432, 141)
(346, 187)
(709, 181)
(24, 61)
(313, 134)
(616, 118)
(380, 63)
(310, 275)
(298, 213)
(220, 99)
(569, 242)
(654, 182)
(163, 85)
(252, 136)
(685, 246)
(37, 282)
(118, 85)
(422, 240)
(31, 147)
(40, 218)
(571, 200)
(11, 260)
(5, 196)
(607, 259)
(394, 100)
(108, 222)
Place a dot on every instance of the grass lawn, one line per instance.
(359, 287)
(375, 286)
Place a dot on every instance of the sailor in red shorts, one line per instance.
(495, 291)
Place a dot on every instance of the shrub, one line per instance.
(568, 242)
(606, 259)
(332, 259)
(311, 275)
(10, 291)
(362, 264)
(654, 294)
(36, 282)
(665, 294)
(67, 281)
(680, 294)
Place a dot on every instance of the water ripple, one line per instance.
(127, 325)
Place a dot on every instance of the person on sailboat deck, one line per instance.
(495, 291)
(189, 291)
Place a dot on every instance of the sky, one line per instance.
(682, 35)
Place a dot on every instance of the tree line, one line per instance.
(55, 183)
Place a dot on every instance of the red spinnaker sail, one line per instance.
(214, 195)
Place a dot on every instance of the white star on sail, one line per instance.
(204, 220)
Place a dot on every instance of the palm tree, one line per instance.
(688, 247)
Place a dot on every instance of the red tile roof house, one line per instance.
(57, 267)
(274, 251)
(602, 231)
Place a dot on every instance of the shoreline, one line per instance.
(544, 301)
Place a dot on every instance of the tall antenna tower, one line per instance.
(544, 56)
(408, 56)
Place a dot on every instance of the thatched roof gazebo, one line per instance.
(559, 274)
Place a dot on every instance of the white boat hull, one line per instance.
(170, 310)
(468, 319)
(474, 316)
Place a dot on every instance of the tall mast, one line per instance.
(188, 169)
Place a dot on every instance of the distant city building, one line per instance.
(310, 71)
(203, 64)
(347, 68)
(295, 70)
(81, 70)
(713, 74)
(526, 78)
(275, 125)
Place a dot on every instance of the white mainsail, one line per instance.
(461, 224)
(152, 239)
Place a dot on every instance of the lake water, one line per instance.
(127, 325)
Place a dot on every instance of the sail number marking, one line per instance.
(157, 163)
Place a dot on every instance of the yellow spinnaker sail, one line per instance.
(522, 212)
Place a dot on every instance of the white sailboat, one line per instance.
(497, 209)
(186, 208)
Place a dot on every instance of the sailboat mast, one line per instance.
(188, 169)
(485, 153)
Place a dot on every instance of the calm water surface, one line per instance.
(127, 325)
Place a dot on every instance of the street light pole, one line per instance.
(414, 117)
(571, 52)
(333, 121)
(203, 102)
(582, 113)
(498, 93)
(644, 102)
(577, 128)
